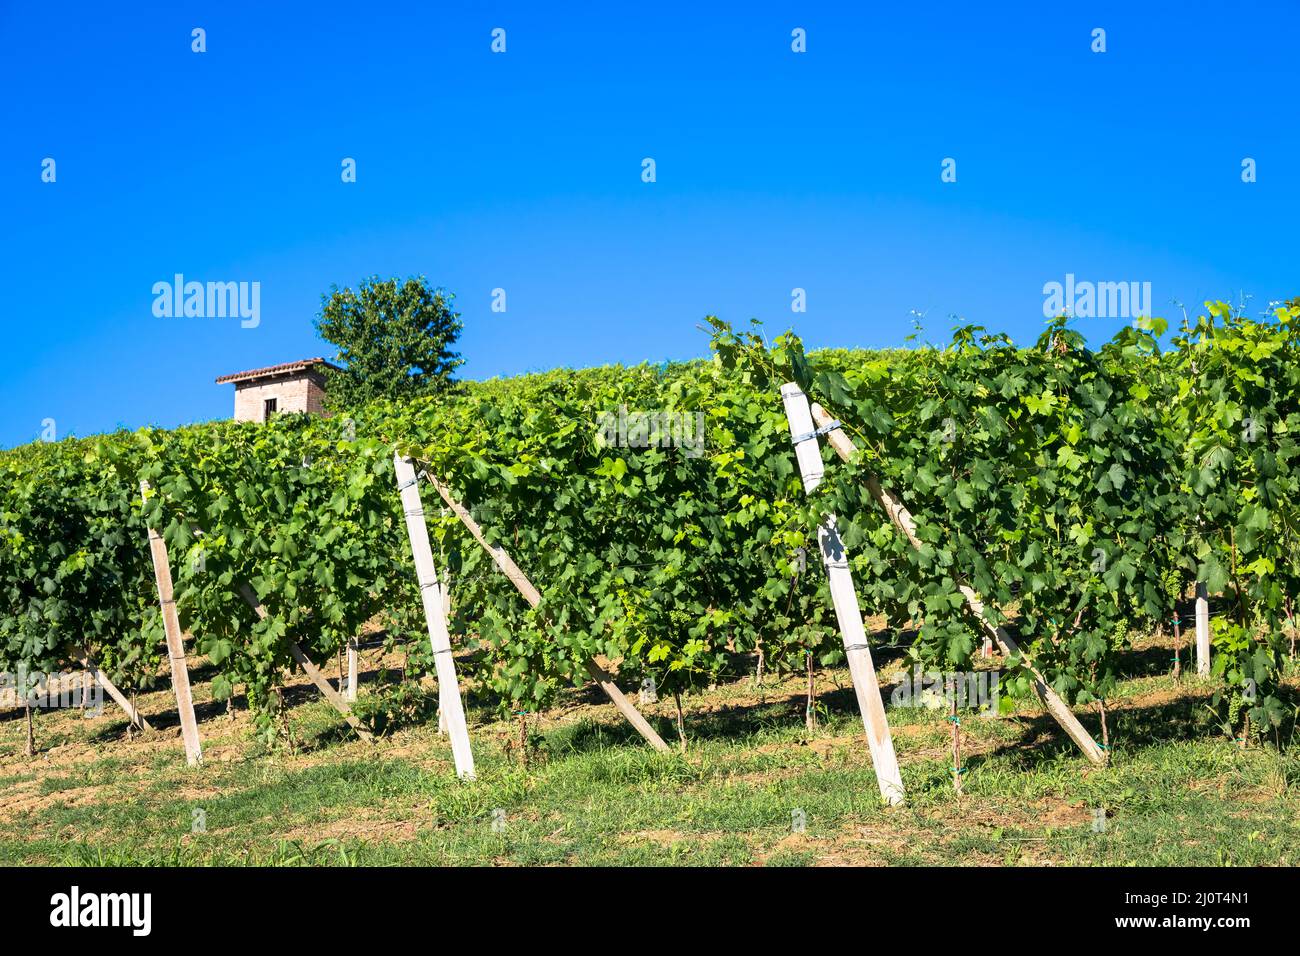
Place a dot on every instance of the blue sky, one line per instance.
(522, 171)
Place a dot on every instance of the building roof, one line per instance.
(287, 368)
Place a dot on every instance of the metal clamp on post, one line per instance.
(816, 432)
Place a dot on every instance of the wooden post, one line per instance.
(435, 615)
(904, 522)
(101, 678)
(311, 670)
(162, 572)
(353, 664)
(845, 598)
(534, 598)
(1202, 630)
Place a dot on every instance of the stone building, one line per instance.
(291, 387)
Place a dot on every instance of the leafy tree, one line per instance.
(394, 339)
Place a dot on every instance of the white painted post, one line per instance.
(175, 643)
(446, 612)
(351, 695)
(845, 598)
(435, 615)
(1202, 630)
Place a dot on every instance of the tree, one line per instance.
(393, 338)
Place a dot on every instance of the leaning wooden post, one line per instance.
(435, 615)
(311, 670)
(534, 598)
(1202, 630)
(101, 678)
(162, 572)
(904, 522)
(845, 598)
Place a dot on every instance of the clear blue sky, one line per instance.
(523, 171)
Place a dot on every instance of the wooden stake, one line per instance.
(82, 658)
(311, 670)
(1178, 646)
(353, 664)
(435, 615)
(809, 714)
(162, 572)
(845, 598)
(1202, 630)
(534, 598)
(904, 522)
(31, 732)
(955, 718)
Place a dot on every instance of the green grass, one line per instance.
(1175, 794)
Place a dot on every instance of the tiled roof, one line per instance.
(286, 368)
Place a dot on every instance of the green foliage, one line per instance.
(395, 339)
(1238, 404)
(667, 561)
(74, 572)
(298, 510)
(1074, 489)
(395, 706)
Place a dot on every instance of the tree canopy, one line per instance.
(394, 340)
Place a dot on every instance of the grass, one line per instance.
(592, 794)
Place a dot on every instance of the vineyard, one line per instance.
(1046, 510)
